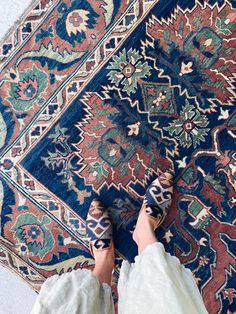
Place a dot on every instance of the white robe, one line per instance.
(155, 284)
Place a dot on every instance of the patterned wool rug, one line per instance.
(98, 98)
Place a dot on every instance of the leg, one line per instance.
(144, 233)
(156, 282)
(99, 230)
(157, 200)
(104, 265)
(83, 291)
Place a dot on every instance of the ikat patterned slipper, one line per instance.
(158, 198)
(98, 227)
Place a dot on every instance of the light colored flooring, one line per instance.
(16, 297)
(10, 10)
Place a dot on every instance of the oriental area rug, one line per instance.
(100, 97)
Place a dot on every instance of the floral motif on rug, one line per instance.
(101, 97)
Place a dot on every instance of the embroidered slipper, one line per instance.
(98, 227)
(158, 198)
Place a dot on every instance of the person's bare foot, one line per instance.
(99, 233)
(104, 264)
(144, 232)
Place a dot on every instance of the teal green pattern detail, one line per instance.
(3, 131)
(190, 128)
(33, 233)
(126, 68)
(27, 91)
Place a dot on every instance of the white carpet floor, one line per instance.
(16, 297)
(10, 11)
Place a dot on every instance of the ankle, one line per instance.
(144, 234)
(107, 264)
(142, 230)
(103, 273)
(104, 258)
